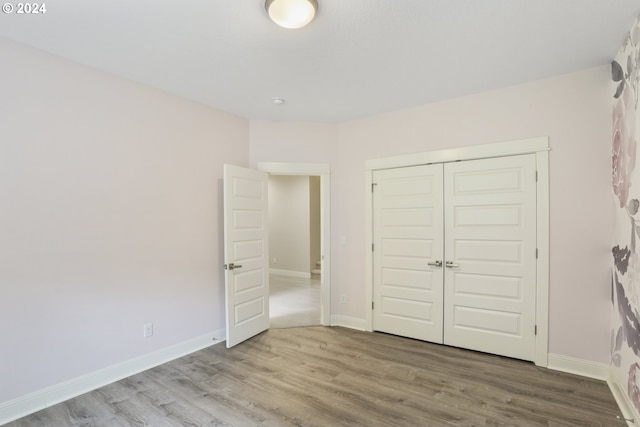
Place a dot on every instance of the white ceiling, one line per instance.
(357, 58)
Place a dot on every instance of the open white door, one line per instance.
(246, 253)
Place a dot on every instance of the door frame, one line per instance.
(540, 148)
(323, 170)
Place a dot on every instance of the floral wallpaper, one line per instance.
(625, 358)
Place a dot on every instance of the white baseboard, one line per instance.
(572, 365)
(629, 412)
(348, 322)
(35, 401)
(290, 273)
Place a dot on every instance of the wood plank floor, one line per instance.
(320, 376)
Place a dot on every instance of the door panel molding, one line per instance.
(537, 146)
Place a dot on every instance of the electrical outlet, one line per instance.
(343, 299)
(148, 330)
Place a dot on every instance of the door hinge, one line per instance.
(536, 176)
(373, 185)
(535, 330)
(536, 253)
(371, 305)
(372, 247)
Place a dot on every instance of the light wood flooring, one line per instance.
(321, 376)
(293, 301)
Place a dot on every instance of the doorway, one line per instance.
(295, 264)
(297, 297)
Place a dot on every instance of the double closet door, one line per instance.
(455, 254)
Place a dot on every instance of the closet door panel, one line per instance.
(490, 254)
(407, 211)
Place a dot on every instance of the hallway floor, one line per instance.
(294, 301)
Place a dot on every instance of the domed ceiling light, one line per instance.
(291, 14)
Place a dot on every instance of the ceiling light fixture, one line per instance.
(291, 14)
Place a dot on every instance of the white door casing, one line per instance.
(408, 254)
(246, 253)
(490, 255)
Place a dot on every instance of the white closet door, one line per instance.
(408, 243)
(490, 254)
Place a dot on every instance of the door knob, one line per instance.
(232, 266)
(450, 264)
(437, 263)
